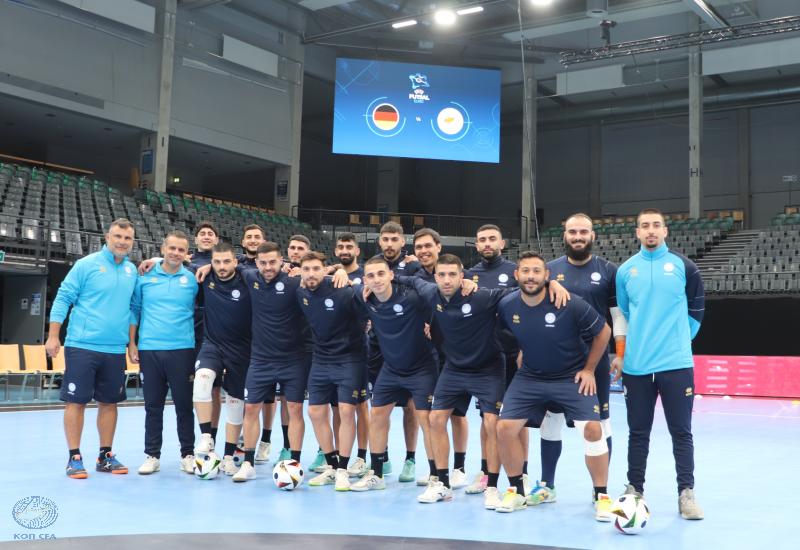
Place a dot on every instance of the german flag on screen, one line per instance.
(385, 117)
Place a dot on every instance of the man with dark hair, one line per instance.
(99, 289)
(163, 311)
(557, 371)
(661, 295)
(280, 354)
(347, 252)
(338, 368)
(494, 271)
(427, 247)
(252, 237)
(391, 241)
(226, 348)
(298, 246)
(593, 279)
(398, 315)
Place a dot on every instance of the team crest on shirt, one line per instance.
(328, 304)
(550, 319)
(255, 285)
(466, 309)
(235, 294)
(279, 287)
(183, 280)
(515, 319)
(305, 301)
(127, 269)
(211, 285)
(401, 265)
(503, 279)
(357, 281)
(560, 277)
(596, 278)
(398, 309)
(669, 267)
(439, 308)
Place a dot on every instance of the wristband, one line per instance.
(619, 345)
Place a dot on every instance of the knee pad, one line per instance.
(550, 429)
(606, 425)
(592, 448)
(203, 382)
(234, 411)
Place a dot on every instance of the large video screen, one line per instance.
(420, 111)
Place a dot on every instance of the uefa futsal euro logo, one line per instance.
(34, 512)
(418, 82)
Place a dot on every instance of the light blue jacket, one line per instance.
(661, 295)
(99, 291)
(163, 307)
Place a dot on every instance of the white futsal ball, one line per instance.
(207, 466)
(287, 475)
(632, 514)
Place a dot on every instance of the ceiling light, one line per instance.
(541, 3)
(469, 11)
(444, 17)
(402, 24)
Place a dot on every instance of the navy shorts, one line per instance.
(529, 398)
(93, 375)
(455, 388)
(222, 361)
(393, 387)
(292, 377)
(340, 382)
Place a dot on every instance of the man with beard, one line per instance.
(252, 237)
(226, 348)
(494, 271)
(557, 371)
(338, 365)
(593, 279)
(347, 252)
(427, 248)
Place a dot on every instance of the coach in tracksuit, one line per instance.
(661, 295)
(99, 289)
(163, 310)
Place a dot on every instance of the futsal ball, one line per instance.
(207, 466)
(631, 514)
(238, 457)
(287, 475)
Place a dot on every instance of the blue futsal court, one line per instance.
(746, 453)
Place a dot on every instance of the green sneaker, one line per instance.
(387, 467)
(285, 454)
(409, 472)
(541, 494)
(319, 463)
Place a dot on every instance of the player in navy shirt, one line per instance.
(347, 252)
(427, 248)
(474, 364)
(398, 315)
(557, 371)
(252, 237)
(338, 365)
(593, 279)
(226, 348)
(391, 241)
(494, 271)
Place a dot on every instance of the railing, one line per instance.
(362, 221)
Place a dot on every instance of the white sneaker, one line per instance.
(262, 452)
(511, 502)
(341, 480)
(150, 466)
(205, 446)
(435, 492)
(479, 485)
(423, 481)
(526, 483)
(688, 507)
(327, 477)
(491, 498)
(358, 468)
(245, 473)
(228, 466)
(370, 482)
(458, 479)
(187, 464)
